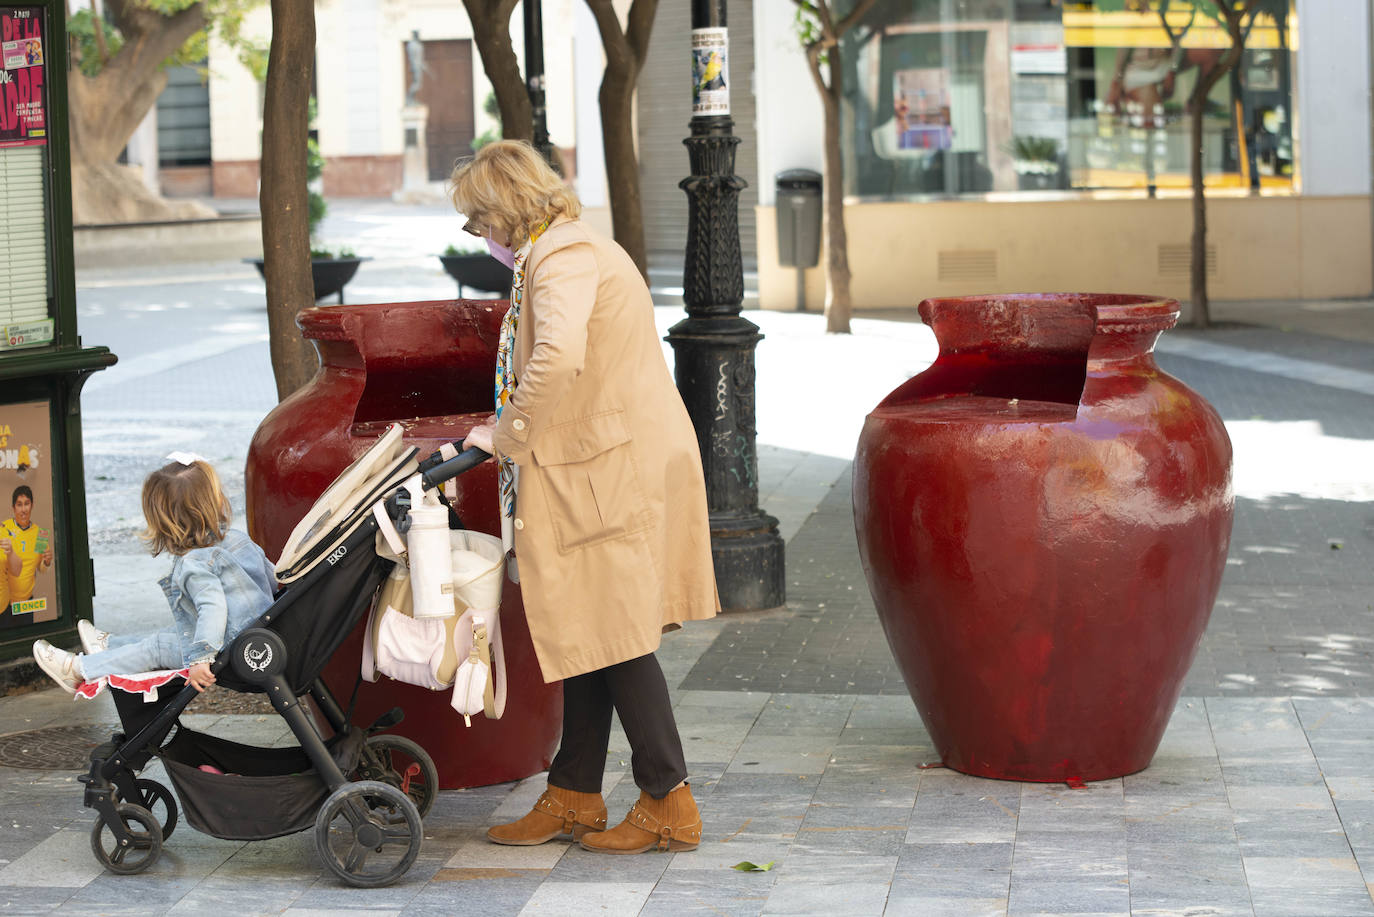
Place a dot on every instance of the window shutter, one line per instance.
(24, 285)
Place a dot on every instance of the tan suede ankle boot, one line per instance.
(557, 812)
(671, 823)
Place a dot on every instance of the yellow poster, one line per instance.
(28, 583)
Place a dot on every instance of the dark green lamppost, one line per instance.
(714, 345)
(534, 77)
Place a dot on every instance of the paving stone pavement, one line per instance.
(804, 750)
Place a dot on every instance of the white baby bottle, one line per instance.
(428, 550)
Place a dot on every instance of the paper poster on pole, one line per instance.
(710, 72)
(23, 97)
(28, 581)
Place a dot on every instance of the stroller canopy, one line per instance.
(346, 503)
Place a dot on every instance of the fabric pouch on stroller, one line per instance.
(464, 650)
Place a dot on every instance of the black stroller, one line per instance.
(363, 792)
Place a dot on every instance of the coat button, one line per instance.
(520, 523)
(518, 424)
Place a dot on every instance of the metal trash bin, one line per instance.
(799, 224)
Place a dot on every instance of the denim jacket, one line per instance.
(216, 592)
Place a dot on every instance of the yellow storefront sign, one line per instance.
(29, 607)
(1086, 27)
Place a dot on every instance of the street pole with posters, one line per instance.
(46, 577)
(714, 346)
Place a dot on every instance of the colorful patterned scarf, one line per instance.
(505, 382)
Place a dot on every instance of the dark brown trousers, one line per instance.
(638, 693)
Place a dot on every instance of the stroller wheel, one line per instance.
(151, 795)
(403, 764)
(368, 833)
(130, 846)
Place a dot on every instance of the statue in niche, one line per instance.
(415, 56)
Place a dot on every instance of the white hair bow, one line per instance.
(186, 458)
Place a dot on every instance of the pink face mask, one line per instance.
(501, 253)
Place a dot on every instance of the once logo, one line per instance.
(337, 555)
(257, 659)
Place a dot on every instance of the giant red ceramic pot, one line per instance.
(427, 366)
(1043, 517)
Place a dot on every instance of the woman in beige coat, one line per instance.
(603, 499)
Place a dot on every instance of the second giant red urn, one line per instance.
(1043, 517)
(427, 366)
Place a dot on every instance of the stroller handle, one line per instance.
(464, 461)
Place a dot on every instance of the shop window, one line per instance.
(183, 118)
(952, 97)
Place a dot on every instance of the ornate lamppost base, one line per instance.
(748, 554)
(714, 368)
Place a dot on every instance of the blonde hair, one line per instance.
(184, 508)
(509, 186)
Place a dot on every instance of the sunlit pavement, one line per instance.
(804, 748)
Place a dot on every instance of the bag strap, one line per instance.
(386, 529)
(494, 696)
(449, 491)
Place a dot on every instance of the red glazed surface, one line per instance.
(1043, 517)
(427, 366)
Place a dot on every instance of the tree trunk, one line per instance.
(282, 201)
(105, 110)
(491, 33)
(838, 305)
(1198, 266)
(622, 168)
(625, 50)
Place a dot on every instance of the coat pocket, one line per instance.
(590, 481)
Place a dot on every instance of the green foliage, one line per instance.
(225, 22)
(809, 30)
(1035, 149)
(314, 170)
(468, 246)
(330, 254)
(81, 27)
(491, 134)
(317, 208)
(314, 160)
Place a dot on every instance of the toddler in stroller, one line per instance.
(220, 582)
(363, 792)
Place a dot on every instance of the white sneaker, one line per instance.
(93, 640)
(60, 665)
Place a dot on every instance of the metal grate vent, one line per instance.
(967, 264)
(55, 748)
(1177, 260)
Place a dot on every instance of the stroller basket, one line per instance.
(263, 792)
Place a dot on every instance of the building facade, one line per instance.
(1002, 145)
(988, 145)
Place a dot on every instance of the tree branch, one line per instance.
(858, 12)
(98, 22)
(491, 32)
(813, 60)
(620, 56)
(641, 23)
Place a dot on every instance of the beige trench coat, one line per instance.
(611, 534)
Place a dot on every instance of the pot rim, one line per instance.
(1115, 313)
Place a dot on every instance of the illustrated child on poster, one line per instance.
(29, 546)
